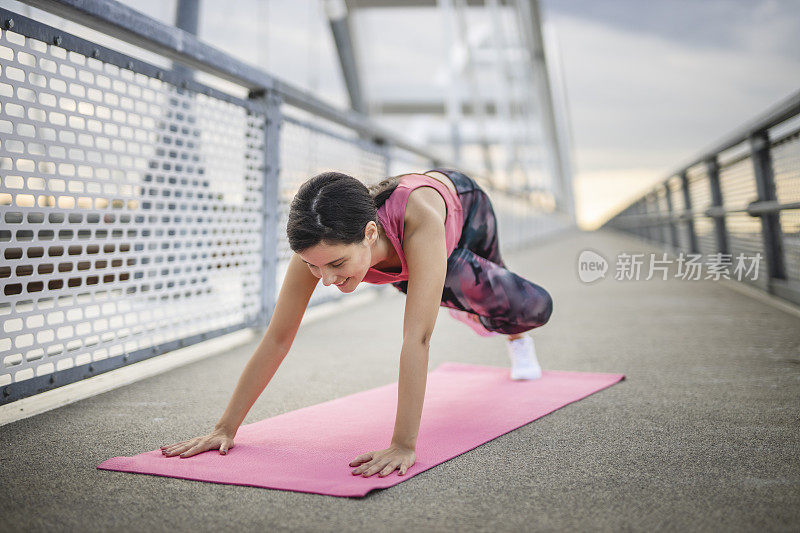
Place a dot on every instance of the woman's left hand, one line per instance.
(385, 461)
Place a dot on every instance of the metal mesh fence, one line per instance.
(678, 206)
(775, 268)
(700, 193)
(786, 165)
(130, 210)
(518, 221)
(737, 183)
(651, 206)
(663, 208)
(738, 186)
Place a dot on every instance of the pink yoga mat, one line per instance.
(309, 450)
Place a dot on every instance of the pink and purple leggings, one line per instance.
(478, 281)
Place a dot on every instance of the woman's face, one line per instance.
(343, 265)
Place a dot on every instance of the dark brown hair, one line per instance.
(334, 208)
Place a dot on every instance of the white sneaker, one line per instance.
(524, 364)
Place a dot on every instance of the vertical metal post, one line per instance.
(642, 211)
(503, 73)
(712, 169)
(187, 18)
(662, 223)
(339, 19)
(270, 202)
(562, 114)
(655, 225)
(652, 210)
(636, 229)
(770, 222)
(478, 109)
(187, 15)
(453, 102)
(687, 200)
(531, 25)
(673, 228)
(645, 225)
(639, 212)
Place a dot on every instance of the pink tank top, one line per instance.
(392, 214)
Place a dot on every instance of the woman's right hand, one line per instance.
(216, 440)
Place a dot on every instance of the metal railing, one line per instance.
(739, 198)
(144, 211)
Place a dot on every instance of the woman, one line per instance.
(433, 236)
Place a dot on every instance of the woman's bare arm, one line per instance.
(296, 291)
(426, 254)
(298, 286)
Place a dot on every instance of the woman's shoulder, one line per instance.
(415, 198)
(424, 203)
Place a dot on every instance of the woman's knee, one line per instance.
(549, 309)
(539, 308)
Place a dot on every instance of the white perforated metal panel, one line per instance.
(130, 211)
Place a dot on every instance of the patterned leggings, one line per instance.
(478, 280)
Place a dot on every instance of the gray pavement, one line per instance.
(702, 435)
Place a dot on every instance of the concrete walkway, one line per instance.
(702, 435)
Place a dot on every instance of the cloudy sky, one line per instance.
(649, 83)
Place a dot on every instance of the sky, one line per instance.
(649, 84)
(652, 84)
